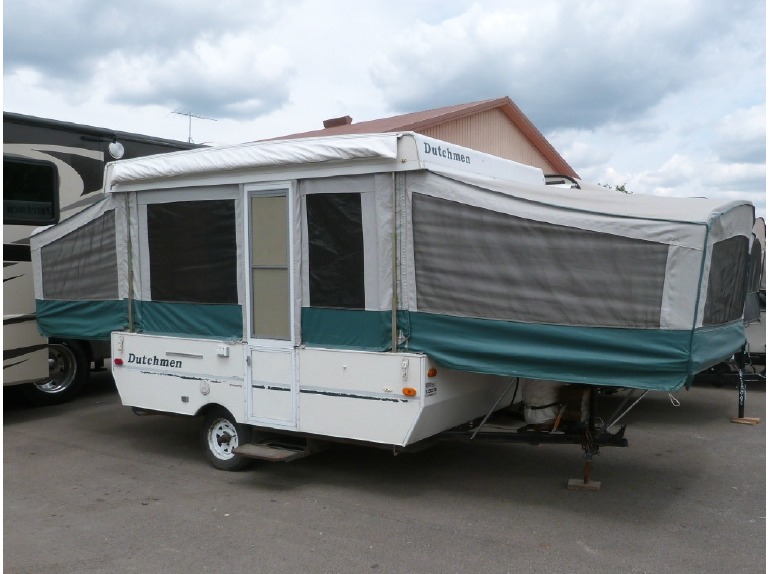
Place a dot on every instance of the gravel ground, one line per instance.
(91, 488)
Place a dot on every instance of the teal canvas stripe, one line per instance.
(644, 359)
(346, 328)
(638, 358)
(712, 345)
(189, 319)
(90, 320)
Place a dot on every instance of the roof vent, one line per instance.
(336, 122)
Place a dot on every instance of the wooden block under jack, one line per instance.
(580, 484)
(746, 420)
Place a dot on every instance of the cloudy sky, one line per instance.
(664, 96)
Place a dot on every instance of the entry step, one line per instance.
(274, 452)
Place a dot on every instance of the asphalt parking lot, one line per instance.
(91, 488)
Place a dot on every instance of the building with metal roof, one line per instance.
(495, 126)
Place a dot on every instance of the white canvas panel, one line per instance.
(678, 209)
(732, 222)
(405, 244)
(295, 206)
(385, 231)
(45, 236)
(760, 230)
(134, 253)
(37, 273)
(122, 222)
(371, 254)
(633, 216)
(680, 290)
(704, 286)
(304, 284)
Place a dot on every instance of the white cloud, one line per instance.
(665, 96)
(581, 64)
(741, 136)
(227, 77)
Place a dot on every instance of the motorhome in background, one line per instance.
(51, 170)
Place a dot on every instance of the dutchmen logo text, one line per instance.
(446, 153)
(153, 361)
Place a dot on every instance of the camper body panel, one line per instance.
(453, 398)
(381, 398)
(360, 394)
(178, 375)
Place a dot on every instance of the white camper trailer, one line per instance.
(382, 288)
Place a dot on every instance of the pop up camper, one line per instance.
(382, 288)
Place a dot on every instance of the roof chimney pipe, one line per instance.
(336, 122)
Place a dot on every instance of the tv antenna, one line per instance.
(190, 116)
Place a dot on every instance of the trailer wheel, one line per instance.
(67, 373)
(220, 434)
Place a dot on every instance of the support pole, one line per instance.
(586, 484)
(590, 448)
(740, 359)
(587, 468)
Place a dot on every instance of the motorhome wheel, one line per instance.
(67, 373)
(220, 434)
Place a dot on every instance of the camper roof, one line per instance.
(407, 151)
(371, 152)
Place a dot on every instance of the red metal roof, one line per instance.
(417, 121)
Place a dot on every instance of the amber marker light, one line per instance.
(117, 361)
(432, 373)
(409, 391)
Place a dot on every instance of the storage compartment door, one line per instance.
(272, 394)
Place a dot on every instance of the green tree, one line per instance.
(620, 188)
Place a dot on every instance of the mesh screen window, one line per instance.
(475, 262)
(82, 264)
(727, 281)
(193, 252)
(335, 250)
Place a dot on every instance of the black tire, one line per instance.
(68, 372)
(722, 374)
(219, 435)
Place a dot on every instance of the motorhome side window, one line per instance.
(335, 250)
(30, 192)
(193, 253)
